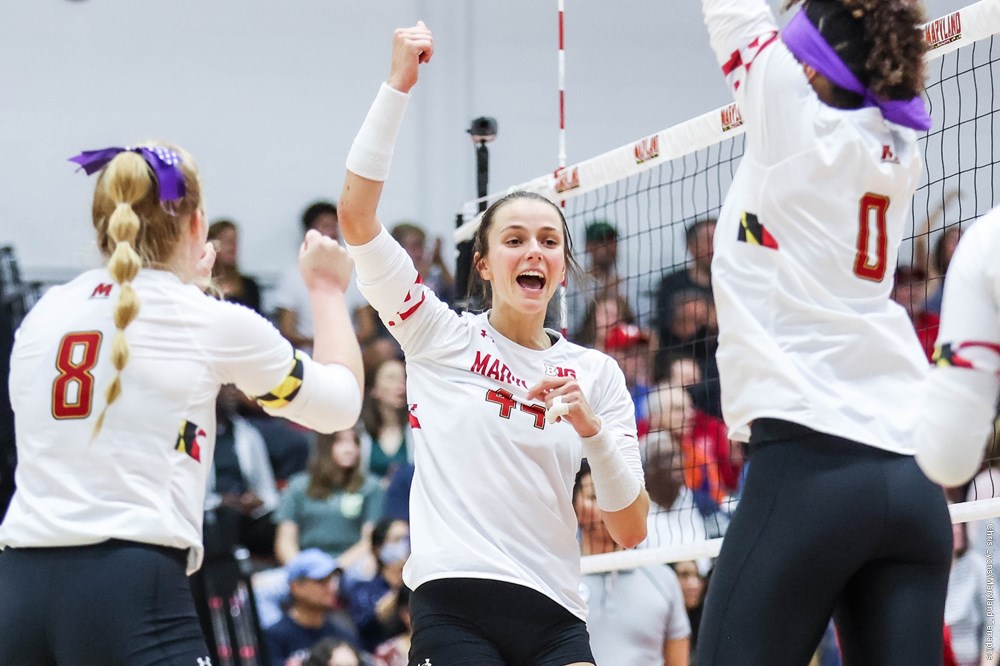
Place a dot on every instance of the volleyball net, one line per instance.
(652, 202)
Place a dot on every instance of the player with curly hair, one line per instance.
(819, 368)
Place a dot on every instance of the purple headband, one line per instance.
(163, 161)
(806, 43)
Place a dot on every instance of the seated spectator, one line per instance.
(944, 250)
(695, 277)
(672, 411)
(629, 346)
(693, 586)
(636, 616)
(910, 291)
(692, 330)
(965, 610)
(673, 517)
(333, 652)
(234, 285)
(385, 531)
(597, 281)
(378, 350)
(386, 440)
(241, 494)
(684, 371)
(395, 651)
(332, 507)
(290, 298)
(433, 269)
(313, 583)
(372, 602)
(288, 444)
(600, 316)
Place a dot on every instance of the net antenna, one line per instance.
(656, 186)
(563, 304)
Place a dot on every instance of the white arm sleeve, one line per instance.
(956, 411)
(958, 404)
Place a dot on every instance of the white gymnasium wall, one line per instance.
(268, 96)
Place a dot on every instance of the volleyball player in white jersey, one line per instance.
(495, 563)
(960, 397)
(819, 369)
(113, 383)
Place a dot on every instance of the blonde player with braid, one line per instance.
(113, 383)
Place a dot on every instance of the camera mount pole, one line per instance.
(483, 130)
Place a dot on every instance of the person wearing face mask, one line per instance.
(372, 601)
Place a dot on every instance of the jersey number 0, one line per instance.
(872, 219)
(73, 388)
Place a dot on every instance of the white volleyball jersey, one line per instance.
(143, 478)
(805, 250)
(491, 494)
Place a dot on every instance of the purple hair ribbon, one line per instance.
(806, 43)
(163, 161)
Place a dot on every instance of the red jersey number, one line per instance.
(871, 219)
(73, 389)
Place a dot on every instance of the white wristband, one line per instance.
(616, 486)
(371, 152)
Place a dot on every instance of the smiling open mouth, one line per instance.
(532, 280)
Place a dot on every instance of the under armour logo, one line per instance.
(427, 662)
(204, 661)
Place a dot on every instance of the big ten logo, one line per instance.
(567, 179)
(647, 149)
(944, 30)
(731, 118)
(555, 371)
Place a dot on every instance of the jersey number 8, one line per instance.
(73, 388)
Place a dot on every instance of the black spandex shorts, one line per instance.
(116, 603)
(827, 526)
(476, 622)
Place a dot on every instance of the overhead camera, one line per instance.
(483, 129)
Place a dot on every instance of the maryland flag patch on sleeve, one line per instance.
(948, 356)
(187, 439)
(285, 392)
(754, 233)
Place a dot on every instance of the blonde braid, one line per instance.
(127, 181)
